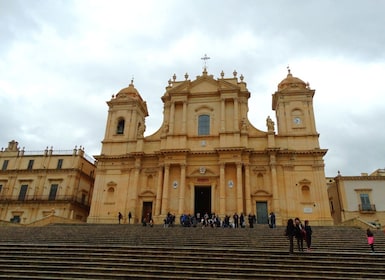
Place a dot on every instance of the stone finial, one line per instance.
(186, 76)
(222, 74)
(241, 77)
(235, 73)
(174, 77)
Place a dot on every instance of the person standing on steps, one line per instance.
(370, 236)
(308, 234)
(120, 216)
(129, 217)
(299, 233)
(290, 233)
(236, 220)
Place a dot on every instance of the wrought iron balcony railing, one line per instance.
(365, 208)
(43, 198)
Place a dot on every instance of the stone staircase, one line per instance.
(136, 252)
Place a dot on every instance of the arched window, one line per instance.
(120, 127)
(204, 125)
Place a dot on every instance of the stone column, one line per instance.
(159, 190)
(182, 189)
(172, 118)
(236, 116)
(274, 180)
(166, 186)
(247, 189)
(239, 188)
(184, 118)
(223, 114)
(222, 190)
(134, 198)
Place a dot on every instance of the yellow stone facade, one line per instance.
(208, 157)
(38, 187)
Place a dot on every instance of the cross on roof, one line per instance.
(205, 58)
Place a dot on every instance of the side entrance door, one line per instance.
(262, 216)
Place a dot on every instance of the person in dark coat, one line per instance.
(309, 232)
(290, 233)
(299, 233)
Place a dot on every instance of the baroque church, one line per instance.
(208, 158)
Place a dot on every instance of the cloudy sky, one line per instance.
(60, 61)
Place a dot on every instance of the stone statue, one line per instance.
(269, 124)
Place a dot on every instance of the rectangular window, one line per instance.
(1, 188)
(59, 163)
(365, 202)
(23, 192)
(52, 192)
(5, 165)
(30, 164)
(204, 125)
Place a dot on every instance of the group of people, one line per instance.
(295, 229)
(213, 220)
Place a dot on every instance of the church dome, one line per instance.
(129, 91)
(291, 82)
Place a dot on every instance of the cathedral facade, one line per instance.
(208, 158)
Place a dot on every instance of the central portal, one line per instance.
(202, 200)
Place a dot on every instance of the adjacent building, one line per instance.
(361, 196)
(207, 157)
(38, 184)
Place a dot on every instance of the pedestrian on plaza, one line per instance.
(272, 220)
(370, 236)
(120, 216)
(308, 234)
(129, 217)
(290, 233)
(299, 233)
(236, 220)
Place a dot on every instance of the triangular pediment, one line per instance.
(203, 84)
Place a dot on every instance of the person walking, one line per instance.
(290, 233)
(370, 236)
(308, 234)
(120, 216)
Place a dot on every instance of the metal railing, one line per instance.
(367, 207)
(43, 198)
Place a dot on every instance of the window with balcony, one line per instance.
(365, 205)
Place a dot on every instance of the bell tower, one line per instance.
(293, 105)
(125, 121)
